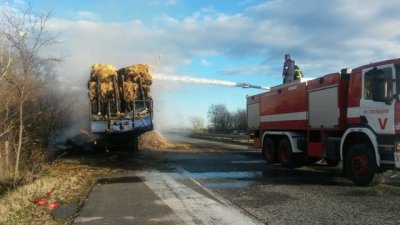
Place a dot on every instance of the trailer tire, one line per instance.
(285, 152)
(269, 150)
(360, 165)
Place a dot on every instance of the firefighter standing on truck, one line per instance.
(297, 73)
(288, 69)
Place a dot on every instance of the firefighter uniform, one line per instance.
(288, 69)
(298, 75)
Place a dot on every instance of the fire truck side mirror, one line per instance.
(345, 74)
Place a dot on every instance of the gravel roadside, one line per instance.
(276, 202)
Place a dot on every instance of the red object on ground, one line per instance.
(52, 205)
(42, 201)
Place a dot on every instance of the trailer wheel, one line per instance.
(360, 165)
(269, 151)
(285, 154)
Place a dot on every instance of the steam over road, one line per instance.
(228, 184)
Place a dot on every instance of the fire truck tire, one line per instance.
(269, 151)
(286, 157)
(360, 165)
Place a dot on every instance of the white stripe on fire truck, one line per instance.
(284, 117)
(353, 112)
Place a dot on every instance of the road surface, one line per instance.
(229, 184)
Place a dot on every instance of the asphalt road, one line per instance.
(229, 184)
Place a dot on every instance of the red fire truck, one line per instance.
(352, 116)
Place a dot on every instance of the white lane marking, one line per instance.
(190, 206)
(248, 161)
(128, 217)
(227, 175)
(239, 184)
(87, 219)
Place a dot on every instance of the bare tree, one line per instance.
(5, 56)
(55, 107)
(5, 59)
(219, 118)
(197, 123)
(26, 34)
(239, 120)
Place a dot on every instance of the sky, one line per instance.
(229, 40)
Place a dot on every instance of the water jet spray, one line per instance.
(197, 80)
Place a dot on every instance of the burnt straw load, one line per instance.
(119, 93)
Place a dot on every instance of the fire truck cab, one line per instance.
(352, 116)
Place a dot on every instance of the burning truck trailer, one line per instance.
(121, 106)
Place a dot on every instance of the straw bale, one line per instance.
(106, 89)
(146, 90)
(92, 90)
(130, 91)
(147, 77)
(104, 71)
(155, 141)
(136, 72)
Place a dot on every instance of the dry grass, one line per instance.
(70, 179)
(154, 141)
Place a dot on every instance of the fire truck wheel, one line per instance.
(361, 165)
(269, 151)
(285, 154)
